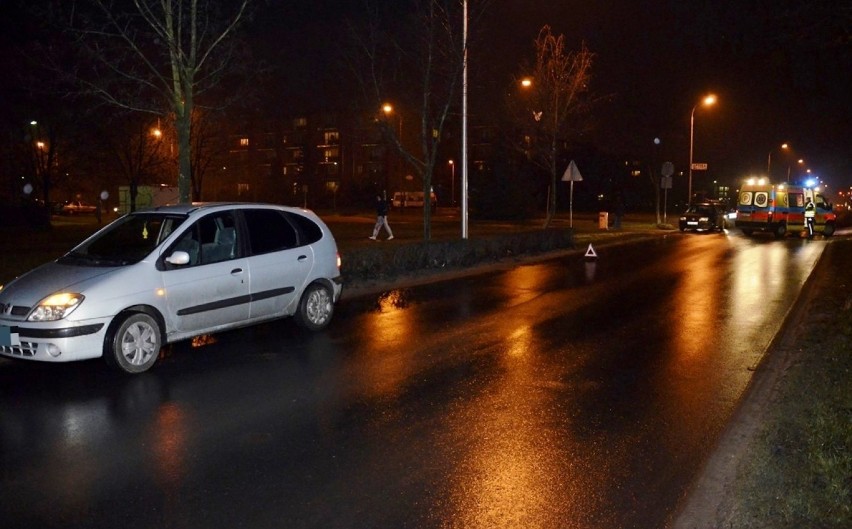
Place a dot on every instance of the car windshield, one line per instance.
(701, 210)
(126, 241)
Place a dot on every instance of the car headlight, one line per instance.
(56, 307)
(683, 218)
(704, 219)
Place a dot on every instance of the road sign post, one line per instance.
(571, 174)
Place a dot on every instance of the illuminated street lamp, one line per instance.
(452, 183)
(387, 108)
(784, 146)
(800, 162)
(707, 101)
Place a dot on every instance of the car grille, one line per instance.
(14, 310)
(25, 350)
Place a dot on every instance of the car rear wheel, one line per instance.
(780, 231)
(315, 308)
(828, 231)
(135, 344)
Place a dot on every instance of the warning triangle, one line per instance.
(591, 252)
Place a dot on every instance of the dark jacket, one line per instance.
(381, 207)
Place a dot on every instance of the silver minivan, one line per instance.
(170, 273)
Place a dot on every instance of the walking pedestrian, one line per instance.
(381, 218)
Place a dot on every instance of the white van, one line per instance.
(412, 199)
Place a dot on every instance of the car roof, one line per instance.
(201, 207)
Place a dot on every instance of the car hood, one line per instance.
(50, 278)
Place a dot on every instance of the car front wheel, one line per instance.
(135, 344)
(315, 308)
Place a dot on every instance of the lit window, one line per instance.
(244, 142)
(331, 137)
(330, 154)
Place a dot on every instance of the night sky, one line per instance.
(782, 71)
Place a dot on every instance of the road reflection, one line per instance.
(552, 395)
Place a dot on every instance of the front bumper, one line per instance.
(54, 343)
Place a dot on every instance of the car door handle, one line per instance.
(302, 257)
(236, 271)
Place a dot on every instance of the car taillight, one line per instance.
(339, 261)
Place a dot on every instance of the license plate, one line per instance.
(692, 223)
(7, 337)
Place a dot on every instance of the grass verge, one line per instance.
(798, 472)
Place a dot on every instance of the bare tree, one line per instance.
(555, 98)
(50, 153)
(207, 145)
(133, 145)
(414, 66)
(152, 55)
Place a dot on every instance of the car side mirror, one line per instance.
(178, 258)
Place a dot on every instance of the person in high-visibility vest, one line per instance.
(810, 216)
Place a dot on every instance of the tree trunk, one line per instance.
(427, 205)
(551, 199)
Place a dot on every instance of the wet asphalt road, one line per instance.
(567, 393)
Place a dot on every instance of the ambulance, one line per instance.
(780, 208)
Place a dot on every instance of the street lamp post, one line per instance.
(452, 183)
(800, 161)
(707, 101)
(388, 109)
(769, 160)
(464, 223)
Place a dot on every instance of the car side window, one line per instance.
(309, 232)
(188, 242)
(218, 237)
(269, 231)
(210, 240)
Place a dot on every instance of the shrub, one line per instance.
(388, 262)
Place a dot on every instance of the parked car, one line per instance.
(168, 274)
(75, 207)
(705, 216)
